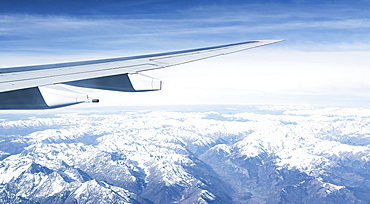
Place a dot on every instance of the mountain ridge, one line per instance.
(264, 154)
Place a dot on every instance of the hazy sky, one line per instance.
(323, 60)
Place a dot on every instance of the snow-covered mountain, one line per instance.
(261, 154)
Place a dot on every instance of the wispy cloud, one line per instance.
(189, 27)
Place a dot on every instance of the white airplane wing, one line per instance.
(44, 86)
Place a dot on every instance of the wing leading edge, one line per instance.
(45, 86)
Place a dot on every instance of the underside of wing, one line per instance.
(43, 84)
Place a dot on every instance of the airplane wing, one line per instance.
(44, 86)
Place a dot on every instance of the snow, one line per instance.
(12, 167)
(301, 138)
(160, 144)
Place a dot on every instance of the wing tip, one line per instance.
(270, 41)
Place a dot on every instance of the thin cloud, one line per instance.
(189, 26)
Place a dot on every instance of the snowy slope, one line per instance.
(266, 154)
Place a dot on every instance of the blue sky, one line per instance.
(323, 60)
(96, 25)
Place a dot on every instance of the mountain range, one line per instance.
(215, 154)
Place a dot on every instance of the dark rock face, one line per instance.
(295, 156)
